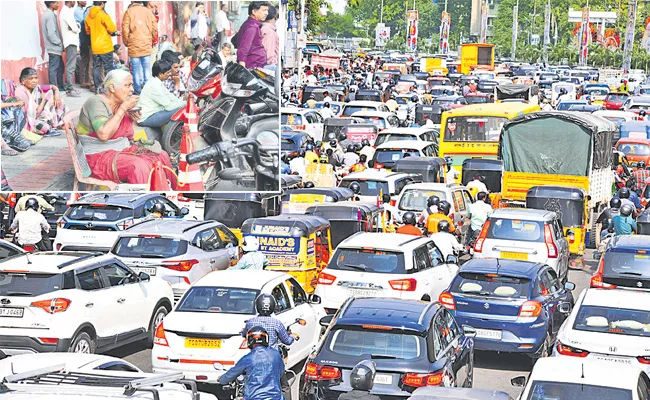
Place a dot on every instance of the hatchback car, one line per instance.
(527, 235)
(382, 120)
(373, 183)
(625, 264)
(413, 344)
(615, 100)
(388, 152)
(514, 306)
(351, 107)
(304, 119)
(397, 134)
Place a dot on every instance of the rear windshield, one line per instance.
(368, 260)
(616, 97)
(640, 107)
(219, 300)
(618, 321)
(416, 199)
(597, 92)
(629, 264)
(372, 343)
(633, 149)
(334, 107)
(388, 156)
(474, 129)
(369, 188)
(516, 229)
(376, 121)
(15, 284)
(541, 390)
(287, 144)
(349, 110)
(291, 119)
(491, 285)
(87, 212)
(402, 100)
(393, 136)
(617, 120)
(148, 247)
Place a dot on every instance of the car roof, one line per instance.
(385, 114)
(580, 370)
(395, 313)
(456, 393)
(297, 110)
(626, 299)
(167, 226)
(523, 213)
(245, 279)
(126, 200)
(293, 134)
(404, 144)
(51, 262)
(374, 174)
(413, 131)
(431, 186)
(523, 269)
(395, 242)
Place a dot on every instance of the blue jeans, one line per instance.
(141, 70)
(271, 67)
(159, 119)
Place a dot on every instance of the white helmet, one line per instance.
(250, 243)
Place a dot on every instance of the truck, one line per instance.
(474, 55)
(434, 65)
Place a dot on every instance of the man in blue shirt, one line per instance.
(624, 224)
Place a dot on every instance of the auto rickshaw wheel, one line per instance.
(593, 232)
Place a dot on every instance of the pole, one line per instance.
(381, 12)
(515, 26)
(629, 35)
(446, 5)
(301, 30)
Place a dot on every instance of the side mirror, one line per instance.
(314, 299)
(185, 211)
(518, 381)
(596, 256)
(326, 320)
(144, 277)
(564, 307)
(301, 322)
(570, 286)
(451, 259)
(569, 232)
(469, 331)
(218, 366)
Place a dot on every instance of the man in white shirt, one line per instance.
(326, 111)
(326, 97)
(446, 242)
(223, 24)
(299, 164)
(477, 184)
(477, 213)
(451, 175)
(29, 225)
(70, 34)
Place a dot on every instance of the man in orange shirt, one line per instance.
(442, 215)
(409, 227)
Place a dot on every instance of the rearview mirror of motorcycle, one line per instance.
(218, 366)
(239, 82)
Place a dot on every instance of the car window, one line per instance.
(393, 121)
(6, 251)
(552, 278)
(435, 256)
(309, 118)
(467, 197)
(208, 240)
(118, 275)
(399, 185)
(281, 298)
(544, 284)
(228, 239)
(451, 324)
(429, 151)
(297, 292)
(90, 279)
(421, 259)
(459, 202)
(170, 208)
(442, 332)
(559, 229)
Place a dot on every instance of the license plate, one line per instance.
(14, 312)
(617, 360)
(151, 271)
(362, 292)
(383, 379)
(514, 256)
(202, 343)
(488, 334)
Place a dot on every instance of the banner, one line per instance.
(444, 32)
(484, 23)
(584, 36)
(645, 42)
(289, 60)
(629, 36)
(325, 62)
(382, 35)
(412, 31)
(515, 26)
(547, 30)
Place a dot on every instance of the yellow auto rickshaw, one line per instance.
(299, 245)
(297, 201)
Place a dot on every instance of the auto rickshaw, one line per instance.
(348, 217)
(322, 175)
(369, 95)
(297, 201)
(571, 204)
(232, 209)
(333, 128)
(429, 169)
(299, 245)
(490, 172)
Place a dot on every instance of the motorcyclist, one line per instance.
(311, 103)
(564, 96)
(29, 226)
(350, 157)
(310, 154)
(360, 165)
(157, 211)
(452, 174)
(263, 367)
(249, 255)
(624, 224)
(634, 196)
(326, 111)
(285, 169)
(641, 174)
(367, 149)
(443, 211)
(265, 304)
(477, 214)
(607, 215)
(356, 189)
(432, 208)
(409, 228)
(625, 194)
(446, 242)
(299, 163)
(362, 379)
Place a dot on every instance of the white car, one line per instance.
(388, 152)
(415, 195)
(381, 119)
(206, 324)
(351, 107)
(304, 119)
(193, 201)
(72, 361)
(77, 302)
(611, 326)
(384, 265)
(561, 379)
(417, 134)
(374, 182)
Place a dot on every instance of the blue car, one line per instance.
(514, 306)
(292, 141)
(413, 344)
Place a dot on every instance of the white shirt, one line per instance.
(69, 27)
(222, 21)
(369, 151)
(451, 176)
(446, 242)
(299, 165)
(478, 185)
(326, 112)
(478, 213)
(312, 79)
(30, 224)
(328, 99)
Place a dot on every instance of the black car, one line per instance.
(625, 264)
(413, 344)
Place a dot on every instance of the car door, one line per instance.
(446, 346)
(230, 245)
(171, 209)
(209, 241)
(461, 352)
(98, 301)
(286, 313)
(431, 269)
(460, 210)
(557, 295)
(311, 330)
(317, 123)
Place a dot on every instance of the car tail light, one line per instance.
(447, 300)
(550, 244)
(30, 248)
(597, 278)
(531, 308)
(160, 339)
(315, 372)
(180, 265)
(644, 360)
(58, 246)
(421, 380)
(48, 340)
(52, 306)
(325, 279)
(571, 351)
(478, 246)
(379, 165)
(393, 202)
(299, 127)
(183, 199)
(407, 285)
(124, 225)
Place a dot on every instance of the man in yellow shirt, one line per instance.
(310, 155)
(442, 215)
(624, 87)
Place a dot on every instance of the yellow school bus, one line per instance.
(473, 131)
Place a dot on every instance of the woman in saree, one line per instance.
(42, 104)
(105, 131)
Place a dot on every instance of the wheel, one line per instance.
(593, 233)
(171, 141)
(156, 319)
(545, 350)
(82, 343)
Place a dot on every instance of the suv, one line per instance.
(374, 182)
(76, 302)
(413, 344)
(527, 235)
(179, 252)
(624, 265)
(385, 265)
(94, 221)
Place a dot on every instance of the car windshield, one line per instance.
(20, 284)
(219, 300)
(349, 110)
(402, 100)
(416, 199)
(616, 97)
(477, 99)
(597, 92)
(541, 390)
(368, 260)
(372, 343)
(149, 247)
(491, 285)
(87, 212)
(630, 263)
(619, 321)
(384, 156)
(640, 107)
(393, 136)
(474, 129)
(515, 229)
(368, 187)
(634, 149)
(376, 121)
(291, 119)
(334, 107)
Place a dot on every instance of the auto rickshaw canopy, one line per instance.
(490, 170)
(430, 169)
(567, 202)
(285, 225)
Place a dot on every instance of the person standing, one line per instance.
(199, 22)
(70, 30)
(53, 43)
(248, 41)
(84, 62)
(223, 24)
(139, 31)
(270, 38)
(100, 27)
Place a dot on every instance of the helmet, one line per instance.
(158, 208)
(309, 147)
(642, 113)
(362, 376)
(563, 91)
(265, 304)
(615, 203)
(250, 243)
(433, 201)
(444, 207)
(32, 203)
(257, 335)
(309, 184)
(365, 142)
(333, 143)
(641, 164)
(626, 210)
(350, 148)
(409, 218)
(355, 187)
(414, 99)
(624, 193)
(443, 226)
(326, 104)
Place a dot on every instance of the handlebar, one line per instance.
(215, 152)
(204, 155)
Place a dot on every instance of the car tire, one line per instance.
(156, 318)
(545, 350)
(82, 343)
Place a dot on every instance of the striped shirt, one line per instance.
(273, 326)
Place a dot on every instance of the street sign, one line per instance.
(382, 35)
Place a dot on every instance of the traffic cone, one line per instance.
(158, 179)
(189, 175)
(192, 117)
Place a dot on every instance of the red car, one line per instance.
(615, 100)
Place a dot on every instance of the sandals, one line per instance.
(9, 152)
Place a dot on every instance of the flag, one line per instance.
(584, 36)
(444, 32)
(412, 30)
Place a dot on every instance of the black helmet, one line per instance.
(444, 207)
(409, 218)
(365, 142)
(309, 184)
(333, 143)
(615, 203)
(158, 208)
(433, 201)
(265, 304)
(624, 193)
(641, 164)
(443, 226)
(626, 210)
(301, 153)
(257, 335)
(362, 376)
(32, 203)
(355, 187)
(350, 148)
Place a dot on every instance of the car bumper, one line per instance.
(205, 373)
(320, 391)
(516, 337)
(12, 345)
(80, 240)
